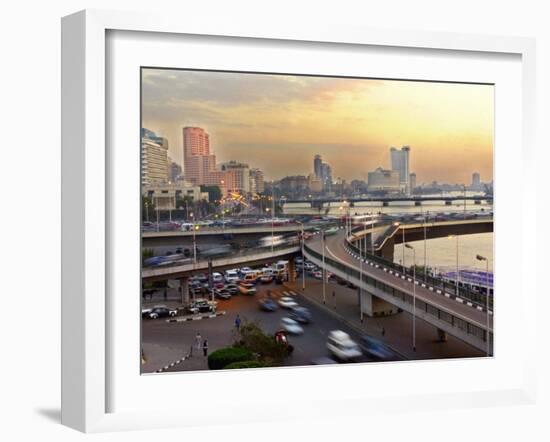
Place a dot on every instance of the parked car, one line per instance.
(161, 311)
(291, 326)
(268, 305)
(287, 302)
(342, 347)
(301, 314)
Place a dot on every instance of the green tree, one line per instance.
(214, 193)
(147, 208)
(269, 351)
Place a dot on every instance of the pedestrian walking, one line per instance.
(198, 341)
(238, 322)
(205, 347)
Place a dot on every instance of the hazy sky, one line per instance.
(278, 123)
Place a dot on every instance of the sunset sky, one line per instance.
(278, 123)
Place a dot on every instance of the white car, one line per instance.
(231, 276)
(287, 302)
(291, 326)
(342, 347)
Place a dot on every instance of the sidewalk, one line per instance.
(395, 330)
(158, 357)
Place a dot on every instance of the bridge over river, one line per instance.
(385, 287)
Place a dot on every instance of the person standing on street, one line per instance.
(205, 347)
(238, 322)
(198, 341)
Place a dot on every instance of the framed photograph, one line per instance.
(299, 219)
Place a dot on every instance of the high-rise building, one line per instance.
(400, 163)
(412, 182)
(323, 171)
(154, 158)
(476, 181)
(256, 181)
(236, 176)
(383, 180)
(174, 171)
(199, 164)
(317, 166)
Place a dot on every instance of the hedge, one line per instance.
(244, 364)
(224, 356)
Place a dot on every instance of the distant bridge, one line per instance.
(385, 200)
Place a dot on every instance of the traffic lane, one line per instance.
(220, 331)
(334, 246)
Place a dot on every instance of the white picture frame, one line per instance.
(85, 201)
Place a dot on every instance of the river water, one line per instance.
(440, 252)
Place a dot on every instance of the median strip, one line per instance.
(196, 318)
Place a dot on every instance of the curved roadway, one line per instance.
(334, 248)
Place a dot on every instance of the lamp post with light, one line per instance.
(457, 272)
(408, 246)
(483, 258)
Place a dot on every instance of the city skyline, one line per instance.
(272, 117)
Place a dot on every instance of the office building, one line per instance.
(400, 163)
(236, 176)
(383, 180)
(476, 181)
(323, 171)
(154, 158)
(412, 182)
(165, 196)
(199, 164)
(256, 181)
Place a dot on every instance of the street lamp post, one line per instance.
(272, 213)
(457, 272)
(360, 281)
(194, 239)
(147, 210)
(483, 258)
(303, 256)
(324, 271)
(425, 244)
(414, 294)
(158, 225)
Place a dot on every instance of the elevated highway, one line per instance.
(250, 258)
(454, 315)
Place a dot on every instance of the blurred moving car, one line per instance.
(377, 349)
(222, 294)
(324, 360)
(268, 305)
(247, 289)
(161, 311)
(301, 314)
(291, 326)
(201, 306)
(266, 279)
(233, 289)
(287, 302)
(342, 347)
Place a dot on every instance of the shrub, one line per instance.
(224, 356)
(244, 364)
(270, 352)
